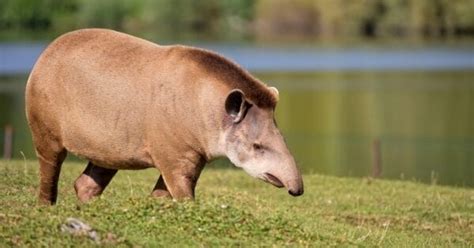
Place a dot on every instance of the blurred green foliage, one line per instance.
(241, 19)
(365, 18)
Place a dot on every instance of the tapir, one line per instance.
(121, 102)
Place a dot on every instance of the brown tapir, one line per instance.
(122, 102)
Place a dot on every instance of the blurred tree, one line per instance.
(240, 20)
(112, 14)
(181, 19)
(205, 20)
(287, 18)
(32, 14)
(364, 18)
(459, 17)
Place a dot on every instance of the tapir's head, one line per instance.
(253, 142)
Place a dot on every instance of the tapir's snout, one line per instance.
(295, 187)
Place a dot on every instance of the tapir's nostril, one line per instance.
(297, 192)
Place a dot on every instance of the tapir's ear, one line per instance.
(236, 106)
(275, 92)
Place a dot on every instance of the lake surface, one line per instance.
(330, 114)
(423, 120)
(18, 58)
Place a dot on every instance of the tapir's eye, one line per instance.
(257, 146)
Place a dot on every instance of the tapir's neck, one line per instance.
(213, 143)
(216, 147)
(211, 135)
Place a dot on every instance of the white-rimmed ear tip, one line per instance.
(275, 91)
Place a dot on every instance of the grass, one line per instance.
(232, 209)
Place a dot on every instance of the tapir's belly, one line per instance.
(111, 157)
(115, 146)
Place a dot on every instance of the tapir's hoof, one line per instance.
(159, 193)
(86, 188)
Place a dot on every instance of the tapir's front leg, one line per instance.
(180, 178)
(160, 189)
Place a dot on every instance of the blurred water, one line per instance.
(334, 104)
(19, 58)
(424, 121)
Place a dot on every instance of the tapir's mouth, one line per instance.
(273, 180)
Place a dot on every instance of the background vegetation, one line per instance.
(242, 20)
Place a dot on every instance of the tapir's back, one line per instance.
(93, 89)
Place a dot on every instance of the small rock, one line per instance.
(78, 228)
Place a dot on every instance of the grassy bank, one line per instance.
(234, 209)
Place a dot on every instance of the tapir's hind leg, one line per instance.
(92, 181)
(50, 168)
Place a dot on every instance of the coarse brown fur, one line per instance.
(234, 76)
(122, 102)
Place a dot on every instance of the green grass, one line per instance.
(232, 209)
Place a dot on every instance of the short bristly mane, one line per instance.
(233, 75)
